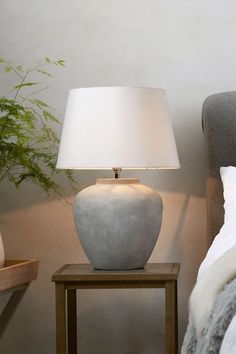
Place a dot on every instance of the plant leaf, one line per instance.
(50, 116)
(39, 103)
(61, 62)
(44, 72)
(28, 143)
(27, 84)
(8, 69)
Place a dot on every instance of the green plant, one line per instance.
(28, 142)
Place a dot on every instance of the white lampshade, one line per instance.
(123, 127)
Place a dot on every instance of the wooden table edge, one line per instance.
(123, 275)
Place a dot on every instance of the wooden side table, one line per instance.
(71, 277)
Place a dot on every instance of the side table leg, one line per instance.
(72, 321)
(60, 319)
(171, 324)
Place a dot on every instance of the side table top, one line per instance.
(85, 272)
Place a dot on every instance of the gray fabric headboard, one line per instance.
(219, 125)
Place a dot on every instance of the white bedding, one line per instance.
(229, 342)
(208, 286)
(205, 330)
(226, 238)
(224, 241)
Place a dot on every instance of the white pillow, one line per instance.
(227, 235)
(229, 343)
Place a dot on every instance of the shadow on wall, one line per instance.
(10, 309)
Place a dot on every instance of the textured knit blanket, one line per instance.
(212, 307)
(210, 339)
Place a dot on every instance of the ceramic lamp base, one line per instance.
(118, 223)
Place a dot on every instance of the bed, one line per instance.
(212, 305)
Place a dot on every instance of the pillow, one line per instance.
(226, 238)
(229, 344)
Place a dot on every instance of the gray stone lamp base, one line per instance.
(118, 223)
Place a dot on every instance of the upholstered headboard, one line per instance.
(219, 125)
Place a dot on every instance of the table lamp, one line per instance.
(118, 219)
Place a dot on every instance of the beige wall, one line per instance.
(186, 47)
